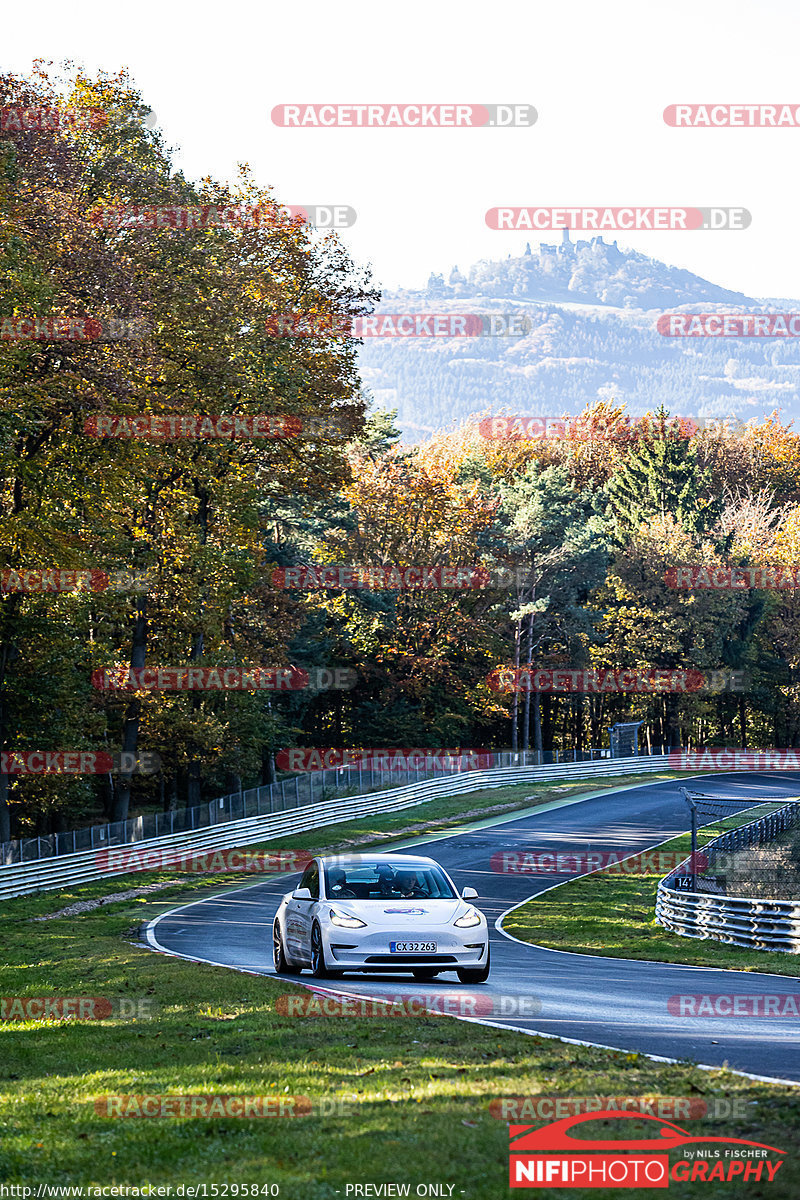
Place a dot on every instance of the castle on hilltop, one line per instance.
(567, 249)
(550, 255)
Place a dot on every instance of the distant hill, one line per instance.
(593, 311)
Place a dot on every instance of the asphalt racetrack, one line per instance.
(612, 1002)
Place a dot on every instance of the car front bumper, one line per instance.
(370, 951)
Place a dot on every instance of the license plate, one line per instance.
(412, 947)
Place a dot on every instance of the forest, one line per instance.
(173, 546)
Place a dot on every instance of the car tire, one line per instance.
(425, 973)
(283, 965)
(319, 968)
(475, 974)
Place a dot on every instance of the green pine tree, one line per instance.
(380, 433)
(661, 476)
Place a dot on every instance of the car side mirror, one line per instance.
(469, 894)
(302, 894)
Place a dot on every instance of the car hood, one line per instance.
(412, 914)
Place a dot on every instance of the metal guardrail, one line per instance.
(758, 924)
(310, 787)
(19, 879)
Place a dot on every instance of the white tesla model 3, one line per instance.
(380, 912)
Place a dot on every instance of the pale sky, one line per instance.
(599, 75)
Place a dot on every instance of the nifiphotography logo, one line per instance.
(553, 1157)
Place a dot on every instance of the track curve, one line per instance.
(615, 1002)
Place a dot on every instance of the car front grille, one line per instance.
(410, 958)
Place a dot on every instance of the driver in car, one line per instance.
(338, 882)
(407, 884)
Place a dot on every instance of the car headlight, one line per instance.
(472, 917)
(345, 921)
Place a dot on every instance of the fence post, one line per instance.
(297, 791)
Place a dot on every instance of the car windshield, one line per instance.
(379, 881)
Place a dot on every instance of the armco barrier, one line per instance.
(738, 920)
(20, 879)
(289, 792)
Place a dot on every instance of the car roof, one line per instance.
(391, 860)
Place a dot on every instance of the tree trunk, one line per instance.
(526, 718)
(267, 766)
(546, 731)
(339, 702)
(515, 701)
(5, 814)
(130, 729)
(673, 735)
(194, 774)
(537, 725)
(7, 654)
(578, 709)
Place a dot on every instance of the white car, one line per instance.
(380, 912)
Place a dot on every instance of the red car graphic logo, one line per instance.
(527, 1138)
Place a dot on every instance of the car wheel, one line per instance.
(475, 974)
(423, 973)
(283, 965)
(319, 967)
